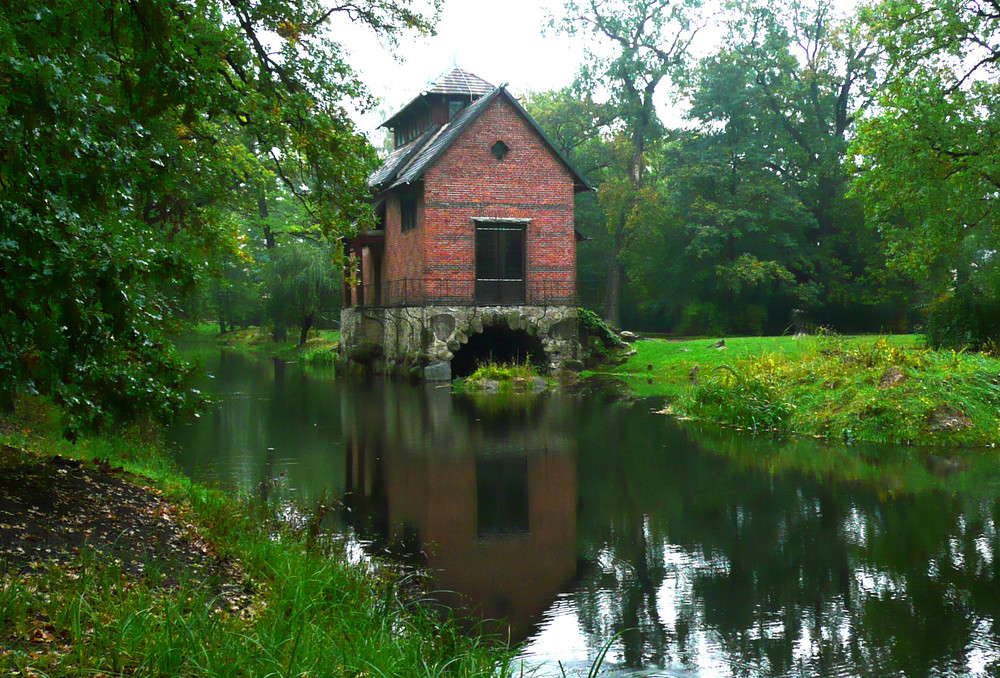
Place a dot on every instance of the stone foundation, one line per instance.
(428, 337)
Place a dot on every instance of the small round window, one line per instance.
(500, 150)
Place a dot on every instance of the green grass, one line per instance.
(513, 377)
(320, 348)
(825, 386)
(312, 611)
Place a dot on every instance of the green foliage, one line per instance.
(965, 317)
(746, 396)
(504, 371)
(926, 158)
(131, 134)
(298, 282)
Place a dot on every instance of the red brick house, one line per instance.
(476, 212)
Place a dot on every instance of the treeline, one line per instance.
(281, 274)
(830, 169)
(157, 159)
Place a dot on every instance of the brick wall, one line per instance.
(467, 182)
(404, 253)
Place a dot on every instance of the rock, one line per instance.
(720, 344)
(438, 371)
(461, 337)
(477, 325)
(538, 385)
(947, 418)
(443, 325)
(453, 345)
(628, 337)
(573, 365)
(487, 386)
(891, 376)
(629, 353)
(693, 374)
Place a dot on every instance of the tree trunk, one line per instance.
(264, 225)
(307, 324)
(612, 292)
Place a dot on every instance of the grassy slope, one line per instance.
(825, 386)
(313, 613)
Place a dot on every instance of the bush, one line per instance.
(966, 317)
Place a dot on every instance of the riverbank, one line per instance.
(112, 562)
(320, 347)
(875, 389)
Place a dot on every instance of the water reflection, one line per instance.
(582, 521)
(482, 495)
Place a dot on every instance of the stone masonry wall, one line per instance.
(432, 335)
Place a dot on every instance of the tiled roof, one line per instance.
(459, 81)
(453, 81)
(390, 166)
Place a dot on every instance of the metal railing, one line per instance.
(438, 292)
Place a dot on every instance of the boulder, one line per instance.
(538, 385)
(628, 337)
(890, 377)
(947, 418)
(438, 371)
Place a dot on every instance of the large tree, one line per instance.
(929, 157)
(637, 46)
(130, 133)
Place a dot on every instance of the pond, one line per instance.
(589, 521)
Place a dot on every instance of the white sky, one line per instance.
(498, 40)
(501, 41)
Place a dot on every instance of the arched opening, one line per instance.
(500, 345)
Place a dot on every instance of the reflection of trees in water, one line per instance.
(778, 575)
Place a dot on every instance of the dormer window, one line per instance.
(455, 107)
(500, 150)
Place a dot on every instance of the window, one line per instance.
(454, 106)
(500, 150)
(408, 211)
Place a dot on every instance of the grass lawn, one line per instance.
(864, 388)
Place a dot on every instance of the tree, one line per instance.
(298, 285)
(639, 44)
(123, 155)
(927, 157)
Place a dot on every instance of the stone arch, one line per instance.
(500, 343)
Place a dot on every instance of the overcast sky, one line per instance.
(501, 41)
(498, 40)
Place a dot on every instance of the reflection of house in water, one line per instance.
(490, 499)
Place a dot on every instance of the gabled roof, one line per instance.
(408, 164)
(453, 81)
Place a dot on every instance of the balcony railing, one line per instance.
(418, 292)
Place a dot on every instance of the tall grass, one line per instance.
(869, 389)
(295, 604)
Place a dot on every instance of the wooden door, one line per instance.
(500, 255)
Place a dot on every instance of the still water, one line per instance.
(582, 522)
